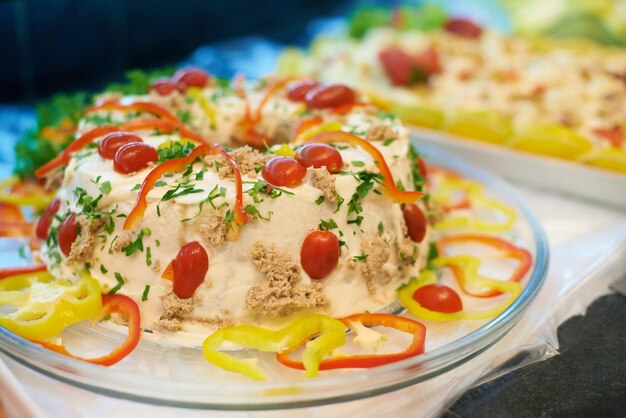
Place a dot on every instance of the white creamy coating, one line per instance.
(231, 270)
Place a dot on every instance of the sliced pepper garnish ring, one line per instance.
(444, 192)
(363, 361)
(514, 289)
(331, 336)
(465, 268)
(45, 306)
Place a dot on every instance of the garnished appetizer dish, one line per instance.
(563, 100)
(262, 214)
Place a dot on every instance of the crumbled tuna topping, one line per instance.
(175, 310)
(378, 252)
(323, 180)
(247, 159)
(278, 295)
(380, 132)
(82, 249)
(213, 229)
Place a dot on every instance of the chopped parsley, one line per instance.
(327, 225)
(213, 194)
(103, 269)
(148, 257)
(388, 141)
(146, 290)
(137, 244)
(118, 286)
(381, 228)
(358, 163)
(175, 149)
(105, 188)
(360, 258)
(180, 190)
(319, 200)
(418, 180)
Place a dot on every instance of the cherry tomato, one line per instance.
(191, 77)
(438, 298)
(334, 95)
(320, 155)
(43, 225)
(133, 157)
(164, 86)
(463, 27)
(319, 254)
(398, 65)
(297, 91)
(415, 221)
(68, 231)
(428, 61)
(190, 267)
(283, 171)
(107, 148)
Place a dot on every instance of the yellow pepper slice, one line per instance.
(210, 112)
(332, 334)
(311, 132)
(480, 125)
(553, 140)
(443, 194)
(419, 114)
(609, 158)
(470, 266)
(44, 306)
(37, 200)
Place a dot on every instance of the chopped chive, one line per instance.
(146, 290)
(118, 286)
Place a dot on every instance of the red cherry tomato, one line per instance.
(163, 86)
(297, 91)
(191, 77)
(190, 267)
(134, 157)
(107, 148)
(428, 61)
(68, 231)
(320, 155)
(43, 226)
(334, 95)
(319, 254)
(398, 65)
(463, 27)
(438, 298)
(283, 171)
(415, 221)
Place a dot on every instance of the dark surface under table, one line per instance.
(587, 379)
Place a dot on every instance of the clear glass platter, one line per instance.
(174, 376)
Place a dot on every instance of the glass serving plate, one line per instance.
(170, 375)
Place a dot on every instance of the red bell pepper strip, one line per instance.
(364, 361)
(306, 124)
(248, 124)
(124, 306)
(240, 215)
(171, 166)
(143, 107)
(397, 195)
(14, 271)
(130, 126)
(178, 164)
(506, 248)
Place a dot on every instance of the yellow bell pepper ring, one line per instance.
(332, 334)
(45, 306)
(210, 112)
(405, 293)
(443, 194)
